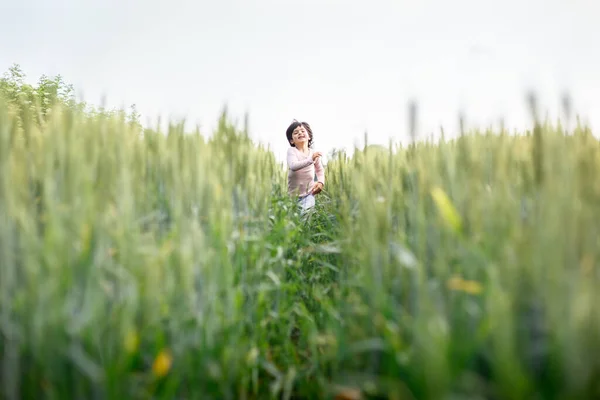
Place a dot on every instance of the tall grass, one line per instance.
(170, 265)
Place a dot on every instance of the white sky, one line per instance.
(345, 66)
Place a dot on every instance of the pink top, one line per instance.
(302, 170)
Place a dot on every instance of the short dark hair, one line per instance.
(294, 125)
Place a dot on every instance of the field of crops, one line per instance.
(157, 265)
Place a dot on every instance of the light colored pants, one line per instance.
(307, 202)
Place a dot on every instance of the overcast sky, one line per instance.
(345, 66)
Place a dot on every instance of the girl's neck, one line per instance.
(303, 148)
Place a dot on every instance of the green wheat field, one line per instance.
(139, 264)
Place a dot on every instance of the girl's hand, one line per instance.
(318, 188)
(316, 155)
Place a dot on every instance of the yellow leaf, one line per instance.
(446, 209)
(462, 285)
(472, 287)
(162, 363)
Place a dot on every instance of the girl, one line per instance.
(303, 164)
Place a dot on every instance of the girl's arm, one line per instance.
(320, 171)
(293, 162)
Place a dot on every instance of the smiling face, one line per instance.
(299, 134)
